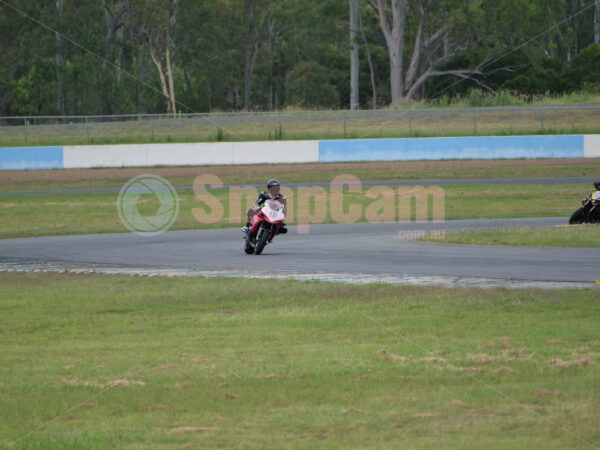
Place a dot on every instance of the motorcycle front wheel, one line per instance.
(578, 216)
(262, 241)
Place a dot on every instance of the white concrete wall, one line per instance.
(275, 152)
(190, 154)
(591, 145)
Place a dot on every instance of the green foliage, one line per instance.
(301, 58)
(480, 98)
(277, 134)
(308, 84)
(584, 70)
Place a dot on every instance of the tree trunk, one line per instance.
(249, 16)
(170, 77)
(394, 39)
(370, 61)
(354, 54)
(60, 61)
(114, 34)
(253, 33)
(271, 37)
(596, 24)
(163, 80)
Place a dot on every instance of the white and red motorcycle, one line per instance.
(264, 226)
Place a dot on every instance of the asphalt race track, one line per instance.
(339, 252)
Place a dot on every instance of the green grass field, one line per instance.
(562, 236)
(311, 173)
(96, 361)
(69, 213)
(58, 214)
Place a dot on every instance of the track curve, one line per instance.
(370, 251)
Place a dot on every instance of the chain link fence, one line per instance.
(76, 130)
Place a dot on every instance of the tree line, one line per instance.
(103, 57)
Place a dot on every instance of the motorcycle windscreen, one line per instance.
(273, 215)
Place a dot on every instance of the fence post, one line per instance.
(152, 122)
(87, 129)
(25, 129)
(344, 124)
(474, 124)
(542, 119)
(409, 124)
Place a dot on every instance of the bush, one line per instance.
(584, 70)
(309, 85)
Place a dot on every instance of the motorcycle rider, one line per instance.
(596, 195)
(272, 193)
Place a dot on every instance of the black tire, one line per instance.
(265, 234)
(578, 216)
(249, 248)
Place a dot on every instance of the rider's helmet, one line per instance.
(272, 183)
(597, 185)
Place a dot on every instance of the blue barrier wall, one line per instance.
(485, 147)
(488, 147)
(31, 158)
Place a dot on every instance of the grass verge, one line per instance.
(562, 236)
(60, 214)
(93, 361)
(23, 180)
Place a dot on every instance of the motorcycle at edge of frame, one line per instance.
(589, 211)
(264, 227)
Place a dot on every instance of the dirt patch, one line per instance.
(125, 383)
(554, 341)
(187, 384)
(384, 354)
(86, 405)
(545, 393)
(356, 410)
(504, 344)
(166, 367)
(192, 429)
(252, 361)
(231, 396)
(481, 358)
(582, 362)
(431, 359)
(452, 368)
(193, 171)
(456, 403)
(159, 407)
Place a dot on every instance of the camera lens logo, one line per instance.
(150, 190)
